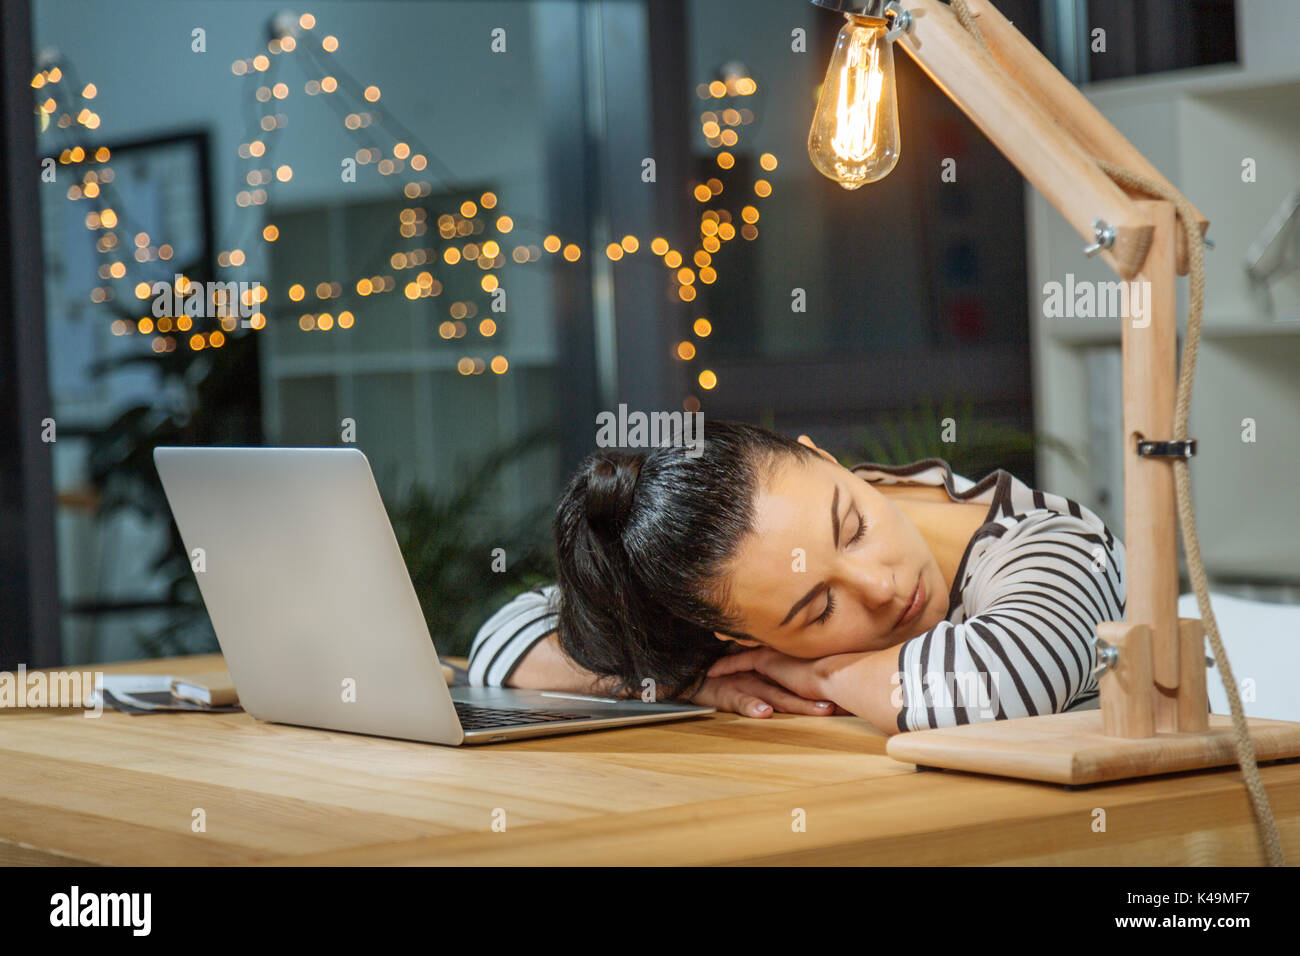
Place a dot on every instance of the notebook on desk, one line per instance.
(316, 615)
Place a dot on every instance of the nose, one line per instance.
(873, 583)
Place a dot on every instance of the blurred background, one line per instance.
(465, 228)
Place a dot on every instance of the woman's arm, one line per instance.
(546, 666)
(1041, 591)
(518, 647)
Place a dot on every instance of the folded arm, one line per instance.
(518, 647)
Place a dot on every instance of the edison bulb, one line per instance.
(854, 135)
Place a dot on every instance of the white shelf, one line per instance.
(1197, 127)
(1249, 328)
(1082, 332)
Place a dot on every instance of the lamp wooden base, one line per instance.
(1073, 749)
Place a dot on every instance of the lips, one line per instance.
(914, 605)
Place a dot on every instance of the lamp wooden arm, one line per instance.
(1069, 109)
(1038, 120)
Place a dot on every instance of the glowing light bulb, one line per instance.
(854, 135)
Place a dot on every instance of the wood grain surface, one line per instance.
(723, 789)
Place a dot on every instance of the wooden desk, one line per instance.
(723, 789)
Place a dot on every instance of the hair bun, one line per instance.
(611, 489)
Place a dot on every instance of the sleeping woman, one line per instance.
(763, 576)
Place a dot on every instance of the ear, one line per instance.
(742, 641)
(808, 442)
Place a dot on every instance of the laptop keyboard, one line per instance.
(474, 717)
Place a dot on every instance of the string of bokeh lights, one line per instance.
(462, 228)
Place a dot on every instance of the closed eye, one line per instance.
(862, 529)
(830, 608)
(830, 598)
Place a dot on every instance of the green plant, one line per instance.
(979, 445)
(465, 562)
(220, 407)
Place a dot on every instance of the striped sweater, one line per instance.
(1034, 581)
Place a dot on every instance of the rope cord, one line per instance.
(1245, 747)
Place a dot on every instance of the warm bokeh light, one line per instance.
(658, 246)
(707, 380)
(703, 327)
(551, 243)
(572, 252)
(685, 351)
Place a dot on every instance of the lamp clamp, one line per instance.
(1103, 237)
(1107, 656)
(873, 10)
(1185, 448)
(902, 21)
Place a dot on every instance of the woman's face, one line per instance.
(831, 566)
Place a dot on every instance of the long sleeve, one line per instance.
(1025, 647)
(507, 636)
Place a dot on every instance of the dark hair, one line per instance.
(641, 541)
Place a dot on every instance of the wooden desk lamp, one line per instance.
(1154, 715)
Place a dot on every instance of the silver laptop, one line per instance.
(316, 614)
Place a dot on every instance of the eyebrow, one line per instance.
(802, 602)
(818, 588)
(835, 516)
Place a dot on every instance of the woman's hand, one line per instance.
(859, 682)
(748, 693)
(806, 678)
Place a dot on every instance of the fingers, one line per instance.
(752, 696)
(752, 706)
(786, 702)
(729, 694)
(734, 663)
